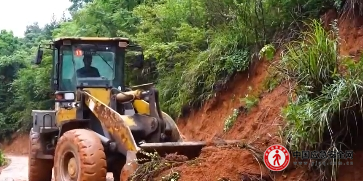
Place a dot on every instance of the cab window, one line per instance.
(67, 79)
(102, 62)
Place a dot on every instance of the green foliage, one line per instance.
(271, 82)
(338, 4)
(325, 96)
(267, 51)
(23, 86)
(313, 61)
(231, 119)
(178, 43)
(310, 116)
(192, 47)
(301, 63)
(249, 100)
(8, 43)
(203, 48)
(2, 158)
(309, 119)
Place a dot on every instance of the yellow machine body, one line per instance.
(125, 120)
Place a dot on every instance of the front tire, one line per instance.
(80, 156)
(38, 169)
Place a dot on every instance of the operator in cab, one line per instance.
(88, 70)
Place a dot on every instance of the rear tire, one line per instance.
(80, 156)
(38, 169)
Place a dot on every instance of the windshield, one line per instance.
(89, 67)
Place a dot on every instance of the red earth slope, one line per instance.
(261, 126)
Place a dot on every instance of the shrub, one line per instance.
(328, 103)
(2, 158)
(312, 61)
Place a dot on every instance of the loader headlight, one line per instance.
(64, 96)
(69, 96)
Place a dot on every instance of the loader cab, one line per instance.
(89, 62)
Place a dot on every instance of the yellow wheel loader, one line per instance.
(98, 125)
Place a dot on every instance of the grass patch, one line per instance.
(250, 100)
(2, 158)
(271, 82)
(328, 106)
(268, 52)
(231, 119)
(312, 61)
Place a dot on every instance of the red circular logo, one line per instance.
(78, 52)
(276, 158)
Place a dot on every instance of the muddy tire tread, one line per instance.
(91, 153)
(39, 169)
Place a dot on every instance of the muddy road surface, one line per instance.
(17, 170)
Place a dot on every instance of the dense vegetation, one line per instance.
(192, 49)
(326, 113)
(203, 43)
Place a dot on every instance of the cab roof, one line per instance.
(105, 39)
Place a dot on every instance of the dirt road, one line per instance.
(18, 170)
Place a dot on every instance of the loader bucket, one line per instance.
(188, 149)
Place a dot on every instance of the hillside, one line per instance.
(261, 126)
